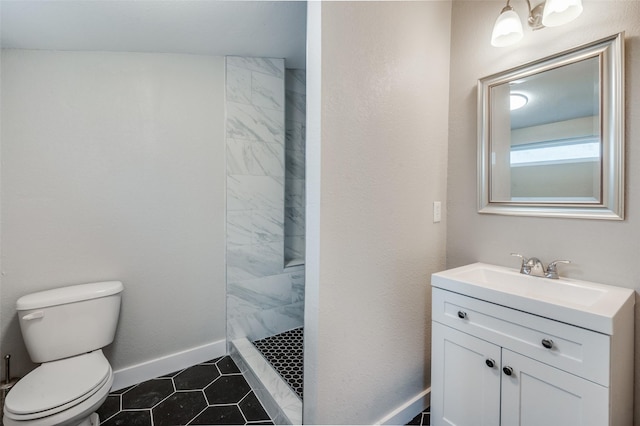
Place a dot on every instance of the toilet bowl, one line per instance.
(74, 378)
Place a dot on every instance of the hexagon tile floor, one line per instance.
(285, 353)
(211, 393)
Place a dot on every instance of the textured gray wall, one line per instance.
(371, 183)
(601, 251)
(113, 169)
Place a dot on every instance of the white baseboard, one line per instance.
(129, 376)
(407, 411)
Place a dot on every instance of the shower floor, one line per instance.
(284, 352)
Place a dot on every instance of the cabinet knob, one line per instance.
(462, 315)
(507, 370)
(547, 343)
(490, 363)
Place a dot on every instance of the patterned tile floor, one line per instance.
(422, 419)
(211, 393)
(285, 352)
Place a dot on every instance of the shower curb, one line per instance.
(281, 403)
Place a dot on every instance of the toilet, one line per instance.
(65, 330)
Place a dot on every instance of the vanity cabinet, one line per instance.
(493, 365)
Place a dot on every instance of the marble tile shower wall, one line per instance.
(295, 112)
(263, 298)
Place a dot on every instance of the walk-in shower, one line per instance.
(265, 134)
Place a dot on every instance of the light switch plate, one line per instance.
(437, 211)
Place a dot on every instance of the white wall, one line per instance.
(372, 244)
(113, 168)
(601, 251)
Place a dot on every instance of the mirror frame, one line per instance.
(610, 51)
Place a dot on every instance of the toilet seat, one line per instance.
(56, 386)
(70, 417)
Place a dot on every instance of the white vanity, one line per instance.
(510, 349)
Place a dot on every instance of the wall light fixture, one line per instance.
(508, 28)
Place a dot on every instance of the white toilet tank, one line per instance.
(69, 321)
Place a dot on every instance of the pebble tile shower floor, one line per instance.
(285, 352)
(211, 393)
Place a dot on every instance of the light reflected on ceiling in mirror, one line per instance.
(568, 92)
(517, 101)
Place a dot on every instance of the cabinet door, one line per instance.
(465, 391)
(537, 394)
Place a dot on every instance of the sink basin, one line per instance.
(582, 303)
(561, 290)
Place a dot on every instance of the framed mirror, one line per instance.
(551, 135)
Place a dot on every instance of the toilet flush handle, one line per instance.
(33, 315)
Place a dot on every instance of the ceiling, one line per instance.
(558, 94)
(207, 27)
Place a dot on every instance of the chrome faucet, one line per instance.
(535, 268)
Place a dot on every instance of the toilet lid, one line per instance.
(57, 383)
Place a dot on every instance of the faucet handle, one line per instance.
(552, 269)
(524, 260)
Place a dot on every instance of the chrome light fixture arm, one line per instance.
(535, 16)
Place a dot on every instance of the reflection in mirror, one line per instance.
(554, 134)
(551, 135)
